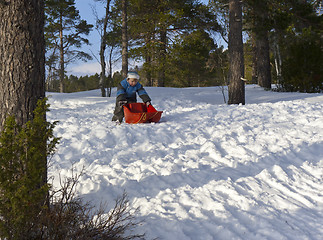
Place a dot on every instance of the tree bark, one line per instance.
(263, 63)
(124, 39)
(110, 80)
(278, 59)
(148, 70)
(236, 68)
(148, 65)
(22, 59)
(162, 58)
(61, 60)
(254, 76)
(261, 43)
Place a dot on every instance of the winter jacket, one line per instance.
(125, 92)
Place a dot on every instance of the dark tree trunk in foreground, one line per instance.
(22, 58)
(124, 39)
(236, 68)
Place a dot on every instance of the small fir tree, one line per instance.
(23, 174)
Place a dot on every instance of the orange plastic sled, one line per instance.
(140, 113)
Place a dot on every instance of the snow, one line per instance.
(207, 170)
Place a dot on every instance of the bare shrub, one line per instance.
(70, 218)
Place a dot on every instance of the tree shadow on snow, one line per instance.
(150, 187)
(198, 177)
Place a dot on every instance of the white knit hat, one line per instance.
(133, 75)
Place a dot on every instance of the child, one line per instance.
(126, 93)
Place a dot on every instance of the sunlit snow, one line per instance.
(207, 170)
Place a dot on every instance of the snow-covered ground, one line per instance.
(207, 170)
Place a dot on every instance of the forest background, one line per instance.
(183, 43)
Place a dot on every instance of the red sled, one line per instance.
(140, 113)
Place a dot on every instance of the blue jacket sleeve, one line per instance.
(121, 92)
(142, 93)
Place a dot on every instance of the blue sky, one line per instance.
(91, 67)
(80, 68)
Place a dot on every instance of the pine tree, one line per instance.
(64, 31)
(187, 59)
(259, 25)
(152, 23)
(297, 37)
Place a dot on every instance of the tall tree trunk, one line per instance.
(260, 35)
(61, 60)
(110, 80)
(102, 49)
(22, 58)
(147, 64)
(148, 70)
(263, 63)
(254, 77)
(162, 58)
(22, 84)
(124, 39)
(236, 68)
(278, 60)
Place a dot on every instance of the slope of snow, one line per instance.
(207, 170)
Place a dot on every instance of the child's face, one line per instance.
(132, 81)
